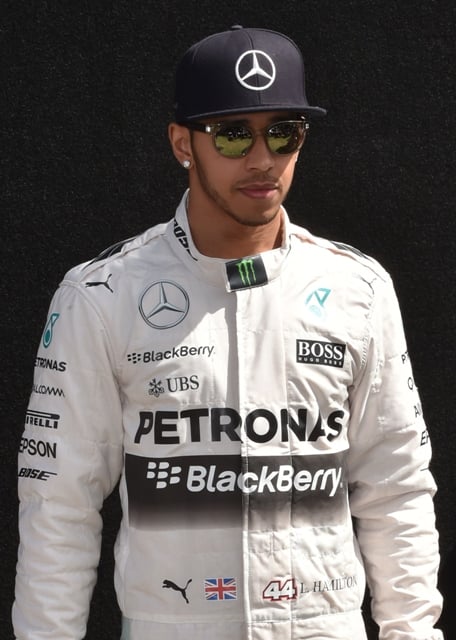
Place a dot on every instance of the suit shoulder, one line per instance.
(115, 257)
(346, 255)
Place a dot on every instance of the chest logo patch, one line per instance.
(315, 302)
(246, 273)
(163, 304)
(320, 352)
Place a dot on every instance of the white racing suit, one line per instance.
(252, 409)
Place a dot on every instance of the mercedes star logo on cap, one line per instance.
(255, 70)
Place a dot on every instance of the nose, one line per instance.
(259, 157)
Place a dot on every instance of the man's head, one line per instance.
(241, 71)
(241, 117)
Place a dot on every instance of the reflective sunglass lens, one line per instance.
(285, 137)
(233, 141)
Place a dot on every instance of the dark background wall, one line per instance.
(86, 96)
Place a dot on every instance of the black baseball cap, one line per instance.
(241, 71)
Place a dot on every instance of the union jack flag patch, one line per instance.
(220, 588)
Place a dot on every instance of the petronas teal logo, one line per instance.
(49, 329)
(245, 273)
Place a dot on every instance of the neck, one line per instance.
(218, 234)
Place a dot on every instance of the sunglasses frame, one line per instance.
(214, 128)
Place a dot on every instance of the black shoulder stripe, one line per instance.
(347, 247)
(112, 250)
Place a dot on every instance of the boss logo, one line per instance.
(330, 354)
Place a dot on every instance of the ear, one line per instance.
(180, 141)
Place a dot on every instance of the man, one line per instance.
(250, 385)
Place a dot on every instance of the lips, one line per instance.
(259, 189)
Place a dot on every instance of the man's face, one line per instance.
(250, 189)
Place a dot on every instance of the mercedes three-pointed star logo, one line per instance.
(163, 304)
(255, 70)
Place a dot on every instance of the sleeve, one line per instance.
(391, 486)
(70, 459)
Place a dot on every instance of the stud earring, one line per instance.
(186, 164)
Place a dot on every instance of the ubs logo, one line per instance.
(179, 383)
(164, 304)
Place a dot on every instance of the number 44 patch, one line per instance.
(281, 590)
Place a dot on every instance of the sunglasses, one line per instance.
(234, 140)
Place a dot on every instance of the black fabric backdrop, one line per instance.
(86, 96)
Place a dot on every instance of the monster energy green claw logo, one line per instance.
(247, 272)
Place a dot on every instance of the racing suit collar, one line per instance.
(250, 271)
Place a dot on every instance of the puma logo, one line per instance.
(167, 584)
(105, 283)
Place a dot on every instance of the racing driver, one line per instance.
(249, 385)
